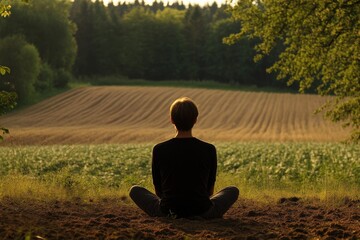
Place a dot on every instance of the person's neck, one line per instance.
(184, 134)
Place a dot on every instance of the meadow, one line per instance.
(261, 170)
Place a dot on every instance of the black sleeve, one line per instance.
(213, 167)
(156, 172)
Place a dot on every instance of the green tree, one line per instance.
(139, 42)
(196, 29)
(5, 8)
(231, 63)
(7, 99)
(81, 14)
(100, 41)
(46, 78)
(23, 58)
(321, 48)
(4, 12)
(169, 41)
(46, 25)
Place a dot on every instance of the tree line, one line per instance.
(38, 45)
(48, 42)
(159, 42)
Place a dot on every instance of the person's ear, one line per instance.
(171, 120)
(195, 120)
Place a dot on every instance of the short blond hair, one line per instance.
(183, 113)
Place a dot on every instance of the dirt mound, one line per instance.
(140, 114)
(118, 219)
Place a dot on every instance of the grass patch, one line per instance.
(260, 170)
(60, 188)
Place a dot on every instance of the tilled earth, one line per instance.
(288, 218)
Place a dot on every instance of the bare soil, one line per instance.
(288, 218)
(115, 114)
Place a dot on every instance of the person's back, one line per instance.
(184, 169)
(184, 173)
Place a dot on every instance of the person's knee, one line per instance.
(133, 191)
(235, 192)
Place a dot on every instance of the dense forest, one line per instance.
(47, 43)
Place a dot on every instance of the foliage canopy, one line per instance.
(5, 9)
(321, 45)
(7, 99)
(45, 24)
(157, 42)
(24, 60)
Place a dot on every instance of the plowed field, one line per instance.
(140, 114)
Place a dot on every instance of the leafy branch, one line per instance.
(321, 48)
(7, 99)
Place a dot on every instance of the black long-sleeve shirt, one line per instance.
(184, 173)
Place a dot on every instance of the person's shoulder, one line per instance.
(205, 144)
(162, 144)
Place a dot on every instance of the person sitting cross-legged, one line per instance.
(184, 173)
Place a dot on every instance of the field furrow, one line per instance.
(140, 114)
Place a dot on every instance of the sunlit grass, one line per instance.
(261, 170)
